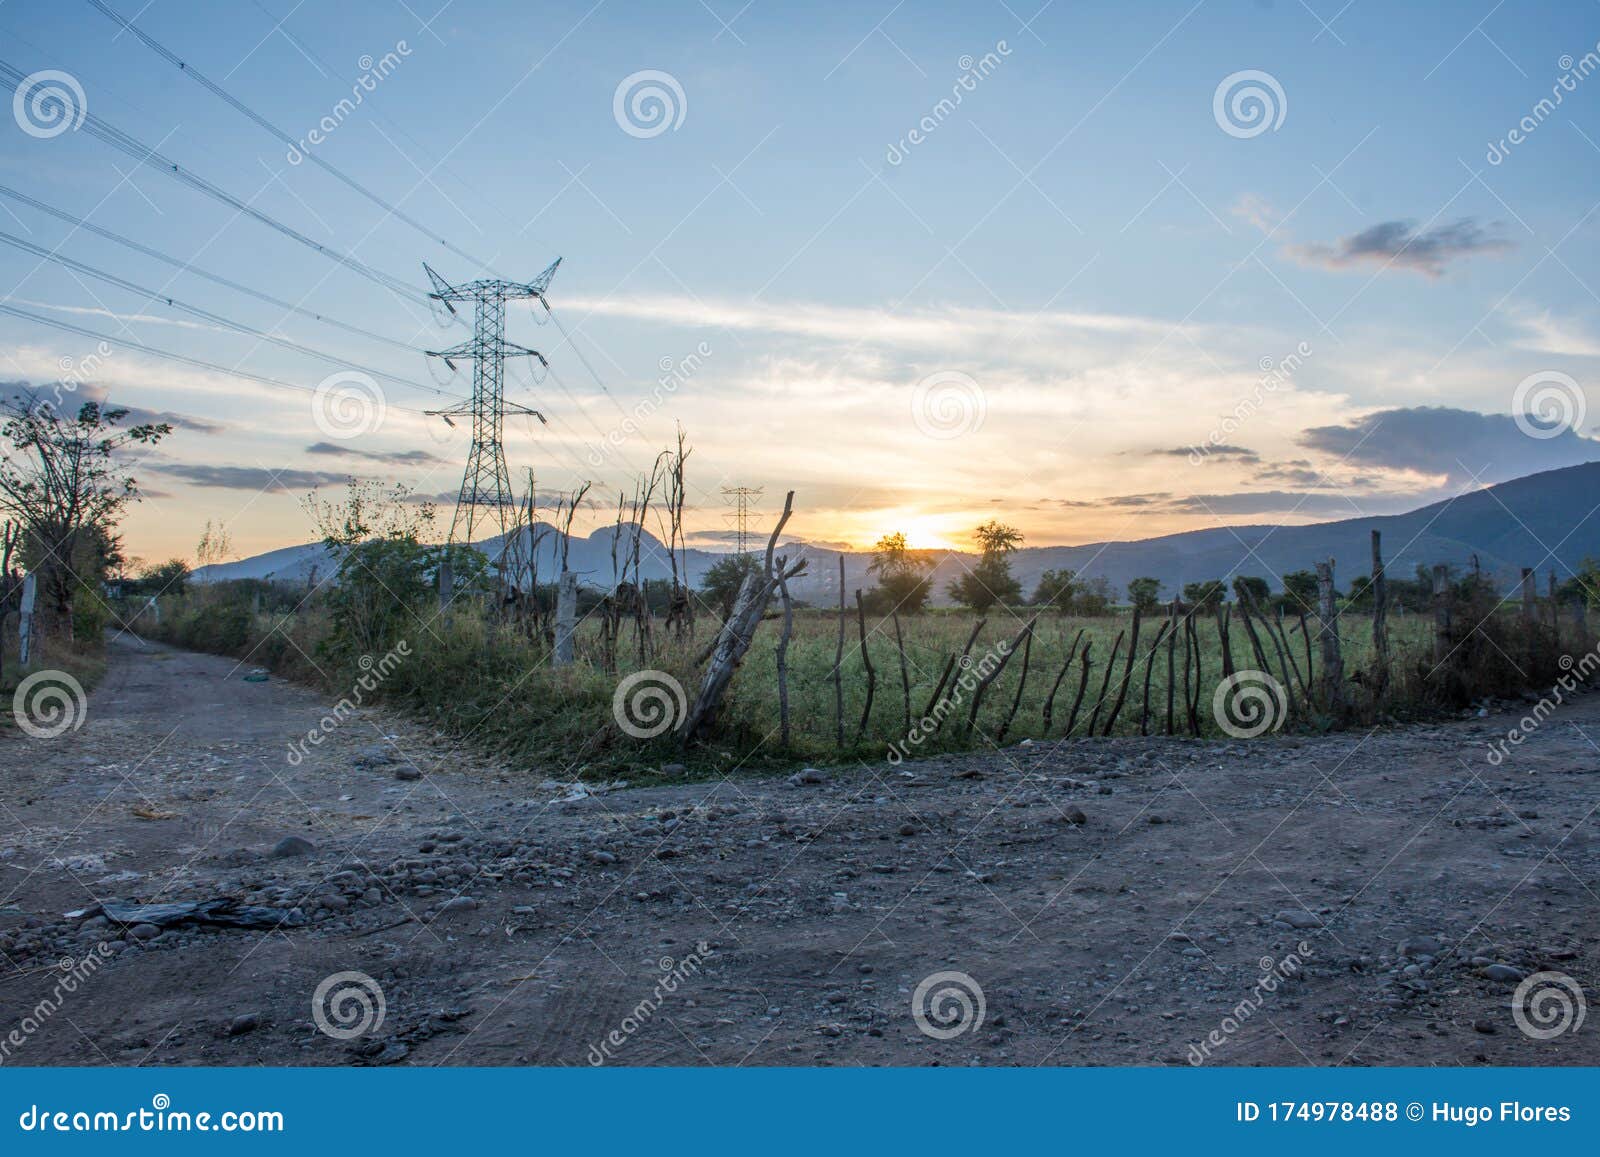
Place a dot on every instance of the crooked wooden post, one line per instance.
(1328, 633)
(1380, 622)
(566, 618)
(1441, 615)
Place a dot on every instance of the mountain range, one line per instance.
(1544, 521)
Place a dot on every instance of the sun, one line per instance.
(922, 531)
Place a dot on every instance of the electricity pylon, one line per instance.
(486, 485)
(741, 496)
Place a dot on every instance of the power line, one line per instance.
(155, 351)
(206, 315)
(186, 267)
(117, 139)
(188, 70)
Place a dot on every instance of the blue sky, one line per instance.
(1079, 262)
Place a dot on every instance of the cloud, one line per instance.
(1238, 453)
(392, 457)
(72, 397)
(254, 478)
(1461, 445)
(1257, 210)
(1557, 335)
(1401, 244)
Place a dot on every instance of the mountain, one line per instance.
(1544, 521)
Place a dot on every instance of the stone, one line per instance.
(292, 846)
(460, 905)
(407, 773)
(246, 1022)
(674, 769)
(1487, 1027)
(1421, 946)
(602, 857)
(144, 932)
(1298, 918)
(1501, 972)
(374, 755)
(808, 775)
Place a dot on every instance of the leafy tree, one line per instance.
(1249, 588)
(1056, 588)
(991, 580)
(64, 480)
(902, 583)
(167, 578)
(387, 576)
(1300, 592)
(1145, 593)
(722, 581)
(1093, 598)
(1207, 593)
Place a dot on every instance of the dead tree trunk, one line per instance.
(983, 683)
(1191, 691)
(1328, 634)
(1172, 669)
(1022, 681)
(1127, 673)
(1105, 682)
(1149, 665)
(1066, 664)
(1224, 617)
(954, 661)
(736, 635)
(866, 661)
(783, 654)
(1083, 683)
(838, 667)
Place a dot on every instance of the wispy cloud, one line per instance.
(1400, 244)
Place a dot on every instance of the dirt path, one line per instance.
(1116, 902)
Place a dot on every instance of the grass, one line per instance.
(488, 684)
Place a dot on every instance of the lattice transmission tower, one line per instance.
(486, 492)
(742, 498)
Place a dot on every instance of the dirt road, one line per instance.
(1363, 898)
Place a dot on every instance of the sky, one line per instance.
(1102, 271)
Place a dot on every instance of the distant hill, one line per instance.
(1548, 520)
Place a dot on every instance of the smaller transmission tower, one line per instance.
(486, 494)
(742, 499)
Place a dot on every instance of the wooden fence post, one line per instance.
(1380, 622)
(30, 594)
(1441, 614)
(1328, 633)
(566, 618)
(1530, 596)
